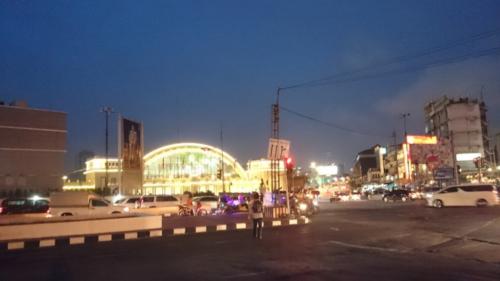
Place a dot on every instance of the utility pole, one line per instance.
(396, 153)
(404, 116)
(107, 112)
(454, 159)
(222, 159)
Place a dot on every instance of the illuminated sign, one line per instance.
(330, 170)
(421, 139)
(467, 156)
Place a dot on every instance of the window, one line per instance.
(98, 203)
(477, 188)
(165, 199)
(450, 190)
(148, 199)
(16, 202)
(133, 200)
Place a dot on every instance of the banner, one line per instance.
(433, 155)
(131, 145)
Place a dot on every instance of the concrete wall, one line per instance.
(78, 228)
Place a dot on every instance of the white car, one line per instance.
(464, 195)
(76, 203)
(167, 203)
(205, 205)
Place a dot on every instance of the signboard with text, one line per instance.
(278, 149)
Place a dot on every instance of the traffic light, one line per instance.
(289, 163)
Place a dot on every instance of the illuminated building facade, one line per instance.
(174, 169)
(194, 167)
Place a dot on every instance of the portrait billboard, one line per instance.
(131, 144)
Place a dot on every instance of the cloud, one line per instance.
(455, 80)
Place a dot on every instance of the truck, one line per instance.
(81, 203)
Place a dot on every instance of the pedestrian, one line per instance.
(256, 214)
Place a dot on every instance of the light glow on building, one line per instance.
(415, 139)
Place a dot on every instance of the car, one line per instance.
(168, 203)
(76, 203)
(428, 191)
(24, 205)
(396, 195)
(335, 197)
(205, 205)
(480, 195)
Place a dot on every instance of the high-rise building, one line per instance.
(463, 122)
(32, 148)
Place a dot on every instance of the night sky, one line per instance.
(185, 67)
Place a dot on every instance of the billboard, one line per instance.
(421, 139)
(435, 156)
(131, 144)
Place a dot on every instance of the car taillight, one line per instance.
(1, 210)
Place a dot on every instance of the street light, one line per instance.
(107, 112)
(404, 116)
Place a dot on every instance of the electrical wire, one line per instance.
(399, 59)
(331, 125)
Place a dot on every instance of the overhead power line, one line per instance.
(437, 63)
(332, 125)
(397, 59)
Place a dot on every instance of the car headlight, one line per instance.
(429, 195)
(303, 206)
(126, 209)
(315, 203)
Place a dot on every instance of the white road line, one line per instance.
(201, 229)
(47, 243)
(364, 247)
(15, 245)
(156, 233)
(276, 223)
(293, 222)
(130, 235)
(104, 238)
(241, 225)
(76, 240)
(242, 275)
(221, 227)
(334, 228)
(179, 231)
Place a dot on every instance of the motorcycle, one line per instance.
(185, 210)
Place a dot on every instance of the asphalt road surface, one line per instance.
(346, 241)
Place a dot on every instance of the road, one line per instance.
(346, 241)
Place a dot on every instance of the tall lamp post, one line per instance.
(107, 112)
(404, 116)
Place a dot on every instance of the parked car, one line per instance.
(24, 205)
(205, 205)
(464, 195)
(76, 203)
(396, 195)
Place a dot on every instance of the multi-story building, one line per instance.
(369, 159)
(463, 122)
(32, 148)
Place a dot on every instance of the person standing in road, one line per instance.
(256, 214)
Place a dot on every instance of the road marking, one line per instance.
(221, 227)
(242, 275)
(76, 240)
(201, 229)
(241, 225)
(15, 245)
(364, 247)
(104, 238)
(179, 231)
(130, 235)
(334, 228)
(155, 233)
(47, 243)
(276, 223)
(222, 242)
(292, 222)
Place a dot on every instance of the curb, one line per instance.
(140, 234)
